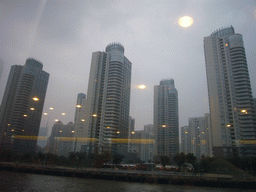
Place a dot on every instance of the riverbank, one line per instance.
(212, 180)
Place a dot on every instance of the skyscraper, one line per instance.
(130, 130)
(61, 139)
(200, 138)
(230, 97)
(79, 120)
(185, 140)
(22, 106)
(108, 99)
(166, 118)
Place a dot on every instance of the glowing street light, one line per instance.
(32, 108)
(94, 115)
(118, 132)
(82, 119)
(51, 108)
(78, 106)
(133, 132)
(163, 125)
(56, 120)
(63, 113)
(25, 115)
(73, 131)
(185, 21)
(228, 125)
(45, 113)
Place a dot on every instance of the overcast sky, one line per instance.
(62, 34)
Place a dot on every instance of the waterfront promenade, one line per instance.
(216, 180)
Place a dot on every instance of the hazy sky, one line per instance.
(62, 34)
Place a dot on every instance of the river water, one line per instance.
(12, 181)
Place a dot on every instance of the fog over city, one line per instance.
(62, 34)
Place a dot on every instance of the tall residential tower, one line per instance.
(108, 100)
(79, 121)
(230, 97)
(22, 106)
(166, 118)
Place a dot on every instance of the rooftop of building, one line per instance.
(225, 31)
(113, 46)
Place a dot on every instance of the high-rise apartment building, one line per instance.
(200, 137)
(185, 145)
(166, 118)
(108, 100)
(148, 137)
(22, 106)
(61, 139)
(79, 121)
(130, 130)
(230, 97)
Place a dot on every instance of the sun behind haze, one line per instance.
(186, 21)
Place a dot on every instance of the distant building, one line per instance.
(166, 119)
(79, 121)
(61, 139)
(232, 110)
(148, 143)
(42, 137)
(142, 143)
(108, 100)
(200, 136)
(136, 143)
(131, 130)
(185, 140)
(22, 106)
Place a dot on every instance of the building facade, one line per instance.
(22, 106)
(148, 143)
(108, 100)
(61, 139)
(80, 122)
(131, 130)
(232, 111)
(166, 118)
(185, 146)
(200, 136)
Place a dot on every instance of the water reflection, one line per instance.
(11, 181)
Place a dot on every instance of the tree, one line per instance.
(165, 160)
(190, 158)
(102, 158)
(180, 159)
(117, 158)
